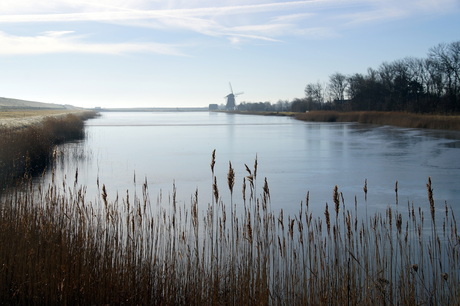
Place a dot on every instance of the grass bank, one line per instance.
(23, 113)
(66, 249)
(263, 113)
(27, 149)
(400, 119)
(20, 118)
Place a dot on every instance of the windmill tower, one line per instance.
(231, 98)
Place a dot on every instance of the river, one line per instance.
(123, 150)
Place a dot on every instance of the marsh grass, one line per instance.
(58, 247)
(15, 113)
(28, 150)
(401, 119)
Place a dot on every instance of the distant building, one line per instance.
(213, 107)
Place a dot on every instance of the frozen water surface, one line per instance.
(295, 156)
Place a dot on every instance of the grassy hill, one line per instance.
(15, 104)
(16, 113)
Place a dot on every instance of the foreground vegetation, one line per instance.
(58, 247)
(29, 149)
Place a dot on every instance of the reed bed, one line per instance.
(29, 149)
(15, 113)
(409, 120)
(58, 247)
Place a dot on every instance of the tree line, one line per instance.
(420, 85)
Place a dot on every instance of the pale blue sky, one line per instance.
(162, 53)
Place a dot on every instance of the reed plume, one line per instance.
(65, 249)
(213, 160)
(365, 189)
(336, 198)
(430, 198)
(328, 219)
(230, 177)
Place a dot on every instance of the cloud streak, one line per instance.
(67, 42)
(121, 14)
(251, 21)
(103, 13)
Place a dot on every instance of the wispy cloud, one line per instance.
(236, 20)
(293, 17)
(70, 10)
(390, 10)
(68, 42)
(372, 16)
(124, 14)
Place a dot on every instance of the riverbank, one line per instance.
(263, 113)
(27, 139)
(13, 118)
(407, 120)
(400, 119)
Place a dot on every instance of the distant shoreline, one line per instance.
(261, 113)
(400, 119)
(152, 109)
(18, 113)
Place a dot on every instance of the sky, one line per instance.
(184, 53)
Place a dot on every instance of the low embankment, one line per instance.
(263, 113)
(27, 139)
(442, 122)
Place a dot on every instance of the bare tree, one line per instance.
(282, 105)
(447, 59)
(314, 92)
(420, 85)
(337, 86)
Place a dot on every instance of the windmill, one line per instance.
(231, 98)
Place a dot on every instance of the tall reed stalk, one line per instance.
(28, 150)
(58, 247)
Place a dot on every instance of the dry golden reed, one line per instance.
(65, 249)
(401, 119)
(28, 150)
